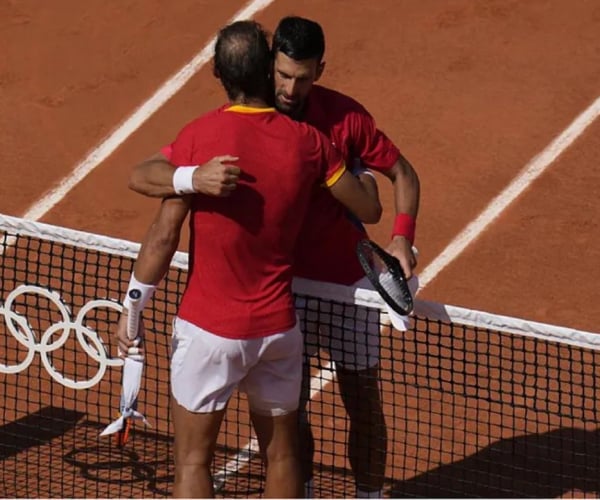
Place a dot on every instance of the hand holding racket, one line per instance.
(402, 249)
(130, 336)
(132, 370)
(130, 328)
(386, 275)
(133, 324)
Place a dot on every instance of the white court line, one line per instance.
(322, 379)
(536, 167)
(103, 150)
(233, 466)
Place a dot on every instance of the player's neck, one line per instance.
(251, 102)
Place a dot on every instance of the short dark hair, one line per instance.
(299, 39)
(242, 60)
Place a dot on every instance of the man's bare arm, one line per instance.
(154, 177)
(359, 195)
(161, 240)
(158, 247)
(406, 194)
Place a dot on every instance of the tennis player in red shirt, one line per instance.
(236, 325)
(326, 248)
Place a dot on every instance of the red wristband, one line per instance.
(404, 225)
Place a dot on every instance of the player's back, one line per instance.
(242, 246)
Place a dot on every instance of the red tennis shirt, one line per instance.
(241, 247)
(326, 249)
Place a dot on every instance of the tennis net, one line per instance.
(475, 405)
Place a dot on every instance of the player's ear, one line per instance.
(320, 69)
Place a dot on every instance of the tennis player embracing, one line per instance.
(236, 325)
(326, 247)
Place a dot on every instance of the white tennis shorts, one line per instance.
(349, 333)
(207, 368)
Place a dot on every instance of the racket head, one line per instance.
(385, 273)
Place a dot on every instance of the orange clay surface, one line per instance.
(470, 92)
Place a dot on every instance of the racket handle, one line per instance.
(133, 318)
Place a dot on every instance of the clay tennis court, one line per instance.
(472, 92)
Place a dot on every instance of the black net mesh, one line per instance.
(467, 411)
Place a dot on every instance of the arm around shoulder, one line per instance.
(359, 195)
(157, 177)
(153, 177)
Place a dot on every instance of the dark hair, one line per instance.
(242, 60)
(299, 39)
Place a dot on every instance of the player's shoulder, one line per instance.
(299, 128)
(310, 132)
(202, 119)
(303, 137)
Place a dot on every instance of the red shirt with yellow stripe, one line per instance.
(326, 248)
(241, 247)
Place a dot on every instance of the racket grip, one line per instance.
(133, 318)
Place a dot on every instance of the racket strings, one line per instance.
(386, 275)
(394, 286)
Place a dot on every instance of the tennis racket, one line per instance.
(386, 275)
(133, 319)
(133, 324)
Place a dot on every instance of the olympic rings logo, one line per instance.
(56, 336)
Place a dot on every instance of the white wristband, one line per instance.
(146, 291)
(183, 180)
